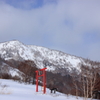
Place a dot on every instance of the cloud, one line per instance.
(57, 24)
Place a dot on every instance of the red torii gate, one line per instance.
(44, 79)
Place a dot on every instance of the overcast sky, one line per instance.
(71, 26)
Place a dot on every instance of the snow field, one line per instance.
(21, 91)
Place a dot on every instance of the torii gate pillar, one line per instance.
(44, 79)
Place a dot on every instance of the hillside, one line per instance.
(43, 57)
(19, 62)
(20, 91)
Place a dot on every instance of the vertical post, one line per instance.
(36, 81)
(44, 82)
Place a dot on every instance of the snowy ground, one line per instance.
(20, 91)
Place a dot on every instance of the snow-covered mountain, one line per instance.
(21, 60)
(43, 57)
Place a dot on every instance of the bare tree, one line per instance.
(88, 78)
(75, 86)
(28, 68)
(75, 77)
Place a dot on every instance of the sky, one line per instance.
(71, 26)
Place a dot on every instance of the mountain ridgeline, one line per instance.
(42, 57)
(20, 61)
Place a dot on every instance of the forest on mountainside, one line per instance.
(79, 84)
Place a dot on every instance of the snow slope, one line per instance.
(6, 69)
(43, 57)
(17, 91)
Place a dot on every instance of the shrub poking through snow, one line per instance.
(3, 89)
